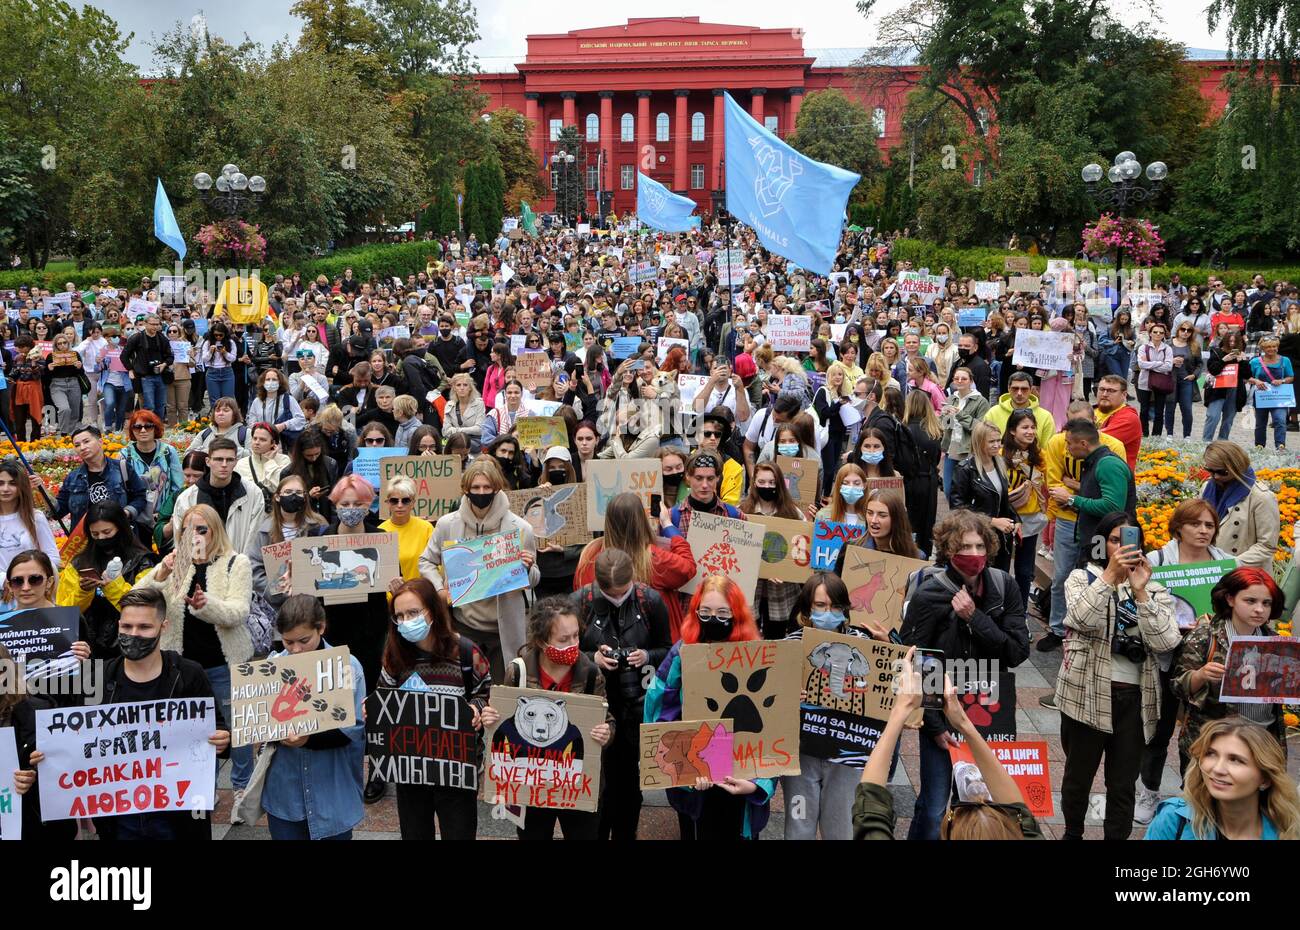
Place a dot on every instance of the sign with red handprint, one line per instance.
(723, 546)
(281, 697)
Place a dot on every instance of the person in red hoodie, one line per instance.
(664, 562)
(1116, 418)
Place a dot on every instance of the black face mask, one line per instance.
(292, 503)
(481, 501)
(557, 477)
(715, 631)
(136, 648)
(674, 481)
(767, 494)
(507, 465)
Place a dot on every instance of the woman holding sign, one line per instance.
(65, 391)
(1225, 391)
(1271, 373)
(774, 601)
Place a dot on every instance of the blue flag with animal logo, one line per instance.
(660, 208)
(794, 204)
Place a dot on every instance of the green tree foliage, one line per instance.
(18, 199)
(832, 128)
(509, 131)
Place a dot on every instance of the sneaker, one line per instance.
(234, 807)
(1048, 701)
(1145, 808)
(1049, 643)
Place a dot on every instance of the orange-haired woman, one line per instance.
(732, 808)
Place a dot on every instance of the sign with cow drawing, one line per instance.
(541, 753)
(291, 695)
(344, 569)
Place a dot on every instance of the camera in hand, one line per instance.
(627, 680)
(1126, 640)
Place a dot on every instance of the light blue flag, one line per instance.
(795, 204)
(165, 227)
(659, 207)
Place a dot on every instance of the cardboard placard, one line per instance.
(689, 386)
(1044, 349)
(137, 758)
(1262, 670)
(344, 569)
(877, 583)
(723, 546)
(277, 560)
(284, 696)
(421, 737)
(801, 476)
(11, 802)
(665, 343)
(755, 685)
(674, 755)
(925, 286)
(829, 537)
(789, 333)
(838, 677)
(558, 516)
(541, 433)
(1017, 264)
(787, 548)
(988, 290)
(436, 479)
(611, 477)
(533, 369)
(482, 567)
(1190, 586)
(541, 752)
(1024, 283)
(1025, 762)
(892, 483)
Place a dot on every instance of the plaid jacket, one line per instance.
(1083, 688)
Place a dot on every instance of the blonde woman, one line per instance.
(980, 484)
(413, 533)
(465, 412)
(878, 369)
(1249, 520)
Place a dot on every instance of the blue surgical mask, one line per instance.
(873, 458)
(850, 493)
(414, 629)
(827, 619)
(788, 448)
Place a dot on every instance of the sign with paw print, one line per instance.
(281, 697)
(755, 685)
(991, 706)
(723, 546)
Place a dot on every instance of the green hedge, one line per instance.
(399, 259)
(981, 262)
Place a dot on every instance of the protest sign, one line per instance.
(755, 685)
(892, 483)
(723, 546)
(925, 286)
(366, 464)
(541, 752)
(609, 478)
(1227, 377)
(789, 333)
(1262, 670)
(137, 758)
(482, 567)
(1099, 307)
(1024, 283)
(971, 317)
(344, 569)
(641, 271)
(533, 369)
(787, 548)
(1190, 586)
(990, 705)
(1025, 762)
(11, 802)
(623, 346)
(667, 342)
(877, 583)
(668, 261)
(181, 351)
(137, 307)
(517, 343)
(573, 342)
(558, 516)
(731, 268)
(1275, 396)
(292, 695)
(801, 479)
(42, 638)
(483, 282)
(436, 479)
(841, 678)
(541, 433)
(1019, 264)
(421, 737)
(1044, 349)
(389, 334)
(584, 229)
(829, 538)
(171, 290)
(988, 290)
(675, 754)
(543, 408)
(1063, 275)
(837, 332)
(690, 386)
(277, 559)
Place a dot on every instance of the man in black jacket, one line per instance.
(448, 349)
(968, 357)
(146, 356)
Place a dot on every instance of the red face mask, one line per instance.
(969, 565)
(567, 656)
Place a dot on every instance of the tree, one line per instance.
(570, 193)
(18, 198)
(510, 131)
(484, 193)
(832, 128)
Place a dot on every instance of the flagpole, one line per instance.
(32, 472)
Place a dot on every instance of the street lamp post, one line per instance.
(234, 191)
(1123, 188)
(563, 199)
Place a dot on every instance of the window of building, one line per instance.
(593, 127)
(556, 126)
(626, 176)
(978, 179)
(771, 123)
(627, 128)
(878, 121)
(697, 177)
(661, 127)
(697, 127)
(592, 177)
(983, 115)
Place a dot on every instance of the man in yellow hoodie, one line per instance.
(1020, 395)
(1063, 470)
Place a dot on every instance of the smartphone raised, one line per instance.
(929, 665)
(656, 505)
(1130, 536)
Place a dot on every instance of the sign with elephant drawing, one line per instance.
(541, 753)
(724, 546)
(344, 569)
(787, 548)
(676, 754)
(877, 583)
(755, 685)
(291, 695)
(611, 477)
(840, 682)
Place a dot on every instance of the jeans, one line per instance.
(1278, 416)
(1065, 552)
(297, 830)
(1153, 757)
(936, 788)
(455, 809)
(1151, 410)
(825, 792)
(154, 394)
(949, 466)
(1225, 407)
(241, 758)
(65, 394)
(117, 400)
(1180, 400)
(1122, 748)
(220, 383)
(1026, 555)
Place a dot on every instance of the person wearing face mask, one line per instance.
(275, 405)
(970, 611)
(673, 464)
(292, 516)
(773, 600)
(847, 502)
(942, 352)
(732, 808)
(427, 654)
(968, 357)
(505, 451)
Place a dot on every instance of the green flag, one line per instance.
(530, 219)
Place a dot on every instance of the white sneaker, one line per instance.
(1145, 808)
(239, 799)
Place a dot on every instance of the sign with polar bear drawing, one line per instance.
(541, 753)
(344, 569)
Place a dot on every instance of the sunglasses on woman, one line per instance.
(27, 581)
(399, 501)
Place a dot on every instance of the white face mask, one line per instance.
(618, 601)
(272, 386)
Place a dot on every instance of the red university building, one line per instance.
(648, 95)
